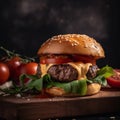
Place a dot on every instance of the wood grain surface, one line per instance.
(32, 108)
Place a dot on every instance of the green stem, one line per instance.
(9, 53)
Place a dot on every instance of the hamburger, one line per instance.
(70, 61)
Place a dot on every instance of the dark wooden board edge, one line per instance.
(34, 108)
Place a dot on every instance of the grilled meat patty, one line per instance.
(67, 73)
(63, 72)
(92, 72)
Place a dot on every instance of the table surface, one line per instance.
(34, 108)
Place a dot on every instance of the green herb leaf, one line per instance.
(101, 80)
(33, 83)
(106, 71)
(76, 87)
(102, 74)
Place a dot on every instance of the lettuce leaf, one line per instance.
(106, 71)
(76, 87)
(102, 74)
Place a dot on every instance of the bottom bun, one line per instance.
(55, 91)
(91, 89)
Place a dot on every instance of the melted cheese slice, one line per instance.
(44, 68)
(82, 68)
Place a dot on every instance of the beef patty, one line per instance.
(67, 73)
(63, 72)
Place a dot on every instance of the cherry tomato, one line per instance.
(114, 81)
(29, 68)
(25, 68)
(57, 60)
(13, 64)
(4, 73)
(17, 73)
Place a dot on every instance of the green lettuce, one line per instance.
(102, 74)
(76, 87)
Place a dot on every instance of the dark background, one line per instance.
(26, 24)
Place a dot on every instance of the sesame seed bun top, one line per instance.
(72, 44)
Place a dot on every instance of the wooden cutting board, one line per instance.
(32, 108)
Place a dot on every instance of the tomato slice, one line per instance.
(58, 59)
(114, 81)
(84, 59)
(54, 60)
